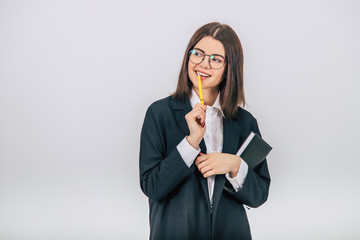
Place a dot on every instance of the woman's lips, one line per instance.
(202, 74)
(203, 78)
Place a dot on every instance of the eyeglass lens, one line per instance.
(197, 56)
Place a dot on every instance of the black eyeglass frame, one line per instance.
(197, 49)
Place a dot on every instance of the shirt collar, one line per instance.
(194, 99)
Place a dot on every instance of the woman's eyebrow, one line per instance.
(210, 54)
(200, 49)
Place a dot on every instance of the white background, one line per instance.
(76, 78)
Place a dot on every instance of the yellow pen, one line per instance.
(200, 90)
(201, 100)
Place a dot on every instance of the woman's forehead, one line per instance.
(211, 45)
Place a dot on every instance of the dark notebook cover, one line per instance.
(254, 150)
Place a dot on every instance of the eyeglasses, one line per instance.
(216, 61)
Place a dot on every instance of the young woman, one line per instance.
(195, 183)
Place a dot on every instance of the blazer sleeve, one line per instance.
(255, 189)
(160, 172)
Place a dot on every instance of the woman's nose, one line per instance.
(206, 62)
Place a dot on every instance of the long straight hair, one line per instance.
(231, 87)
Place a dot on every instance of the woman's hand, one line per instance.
(197, 130)
(218, 163)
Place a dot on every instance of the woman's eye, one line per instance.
(197, 53)
(216, 59)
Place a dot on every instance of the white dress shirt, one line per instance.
(213, 138)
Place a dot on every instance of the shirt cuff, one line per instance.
(187, 152)
(238, 181)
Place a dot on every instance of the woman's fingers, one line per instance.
(198, 105)
(209, 173)
(200, 113)
(200, 159)
(204, 165)
(196, 113)
(205, 169)
(195, 120)
(218, 163)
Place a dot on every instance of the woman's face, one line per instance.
(208, 45)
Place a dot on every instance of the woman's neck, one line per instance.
(209, 95)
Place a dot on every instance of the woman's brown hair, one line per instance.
(231, 88)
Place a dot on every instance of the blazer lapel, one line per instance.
(203, 180)
(180, 110)
(231, 136)
(231, 143)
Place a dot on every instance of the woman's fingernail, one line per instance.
(203, 124)
(198, 121)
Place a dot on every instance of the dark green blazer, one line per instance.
(178, 195)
